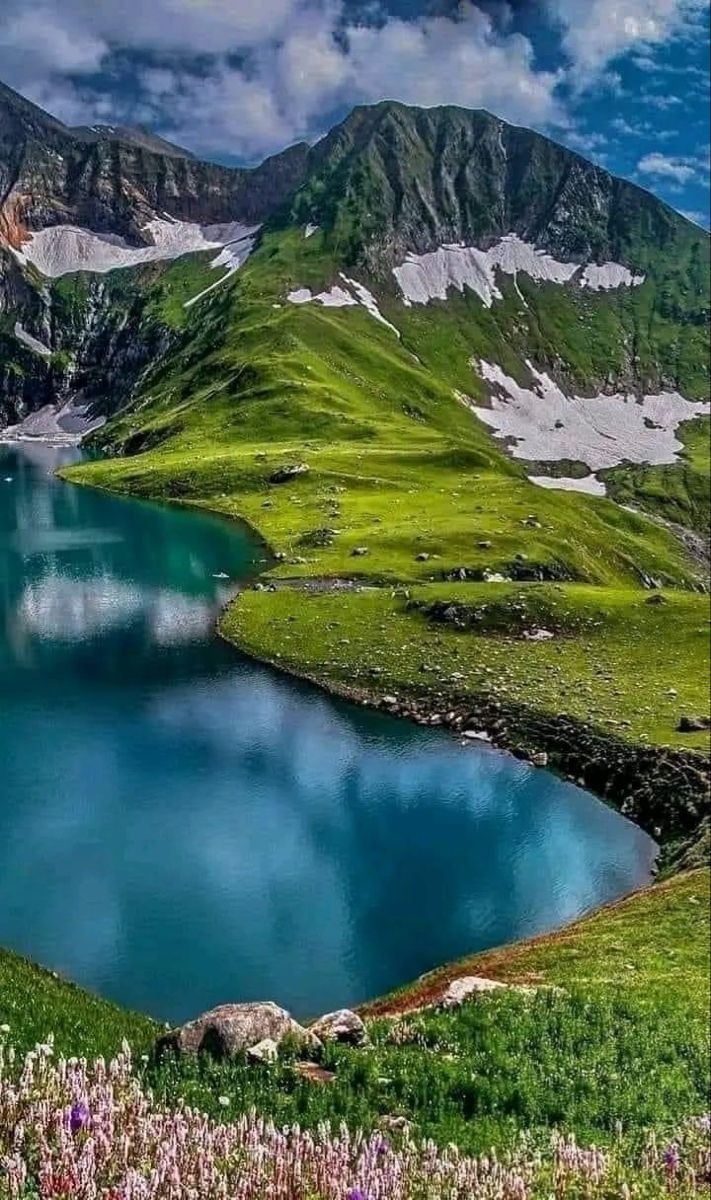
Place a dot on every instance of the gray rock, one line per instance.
(539, 759)
(341, 1026)
(231, 1029)
(359, 551)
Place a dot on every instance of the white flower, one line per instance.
(4, 1028)
(223, 1100)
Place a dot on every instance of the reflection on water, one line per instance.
(179, 826)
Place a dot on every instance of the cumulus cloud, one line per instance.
(595, 32)
(242, 78)
(663, 166)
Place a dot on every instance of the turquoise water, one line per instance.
(180, 826)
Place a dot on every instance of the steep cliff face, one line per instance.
(392, 179)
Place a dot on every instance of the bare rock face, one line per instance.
(341, 1026)
(230, 1029)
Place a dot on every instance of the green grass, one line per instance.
(35, 1003)
(383, 642)
(398, 466)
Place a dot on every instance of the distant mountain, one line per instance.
(114, 180)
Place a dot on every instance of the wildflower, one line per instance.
(356, 1194)
(78, 1117)
(671, 1159)
(223, 1101)
(4, 1028)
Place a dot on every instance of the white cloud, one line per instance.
(698, 218)
(595, 32)
(664, 166)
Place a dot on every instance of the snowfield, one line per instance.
(63, 249)
(545, 425)
(425, 277)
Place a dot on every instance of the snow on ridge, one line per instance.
(425, 277)
(543, 424)
(367, 299)
(335, 297)
(590, 485)
(31, 342)
(310, 230)
(62, 249)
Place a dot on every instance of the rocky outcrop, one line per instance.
(232, 1029)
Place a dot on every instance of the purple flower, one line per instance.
(356, 1194)
(78, 1117)
(670, 1158)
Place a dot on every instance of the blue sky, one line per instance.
(625, 82)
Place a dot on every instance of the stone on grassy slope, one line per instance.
(230, 1029)
(341, 1026)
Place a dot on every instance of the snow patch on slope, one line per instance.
(335, 297)
(62, 249)
(338, 297)
(601, 431)
(310, 230)
(31, 342)
(609, 275)
(425, 277)
(231, 256)
(589, 484)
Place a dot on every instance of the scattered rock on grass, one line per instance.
(313, 1073)
(359, 551)
(463, 989)
(288, 471)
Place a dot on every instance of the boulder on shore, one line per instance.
(341, 1026)
(231, 1029)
